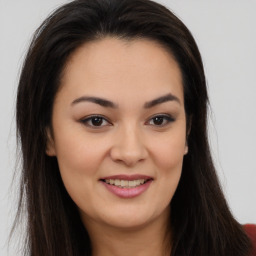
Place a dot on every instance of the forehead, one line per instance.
(113, 67)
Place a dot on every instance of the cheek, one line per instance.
(72, 157)
(169, 152)
(169, 161)
(79, 160)
(170, 157)
(170, 164)
(77, 154)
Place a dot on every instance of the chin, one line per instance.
(131, 218)
(128, 222)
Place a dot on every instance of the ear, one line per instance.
(50, 145)
(186, 149)
(188, 128)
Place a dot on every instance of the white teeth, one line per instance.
(125, 183)
(131, 183)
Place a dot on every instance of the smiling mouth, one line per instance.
(126, 183)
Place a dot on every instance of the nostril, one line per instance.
(128, 150)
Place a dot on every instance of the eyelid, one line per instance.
(86, 119)
(169, 118)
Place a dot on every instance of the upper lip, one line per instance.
(127, 177)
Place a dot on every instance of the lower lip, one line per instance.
(127, 192)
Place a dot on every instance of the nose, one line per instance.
(128, 146)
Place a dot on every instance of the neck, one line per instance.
(150, 239)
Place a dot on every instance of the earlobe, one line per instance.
(187, 134)
(50, 146)
(186, 149)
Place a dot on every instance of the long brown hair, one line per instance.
(200, 219)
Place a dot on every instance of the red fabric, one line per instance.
(250, 229)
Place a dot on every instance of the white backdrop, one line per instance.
(226, 35)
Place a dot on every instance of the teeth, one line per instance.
(131, 183)
(137, 182)
(126, 183)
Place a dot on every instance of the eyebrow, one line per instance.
(162, 99)
(99, 101)
(110, 104)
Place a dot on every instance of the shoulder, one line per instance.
(250, 230)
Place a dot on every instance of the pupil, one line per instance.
(96, 121)
(158, 120)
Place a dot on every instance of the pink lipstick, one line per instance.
(127, 186)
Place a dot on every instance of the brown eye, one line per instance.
(95, 121)
(160, 120)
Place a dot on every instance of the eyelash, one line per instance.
(164, 117)
(90, 118)
(167, 118)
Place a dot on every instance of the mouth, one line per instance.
(126, 186)
(121, 183)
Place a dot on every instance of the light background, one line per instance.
(226, 34)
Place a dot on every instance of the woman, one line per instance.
(111, 117)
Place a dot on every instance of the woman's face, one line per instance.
(119, 131)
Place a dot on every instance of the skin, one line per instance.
(129, 140)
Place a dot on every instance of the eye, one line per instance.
(160, 120)
(95, 121)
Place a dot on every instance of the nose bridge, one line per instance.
(129, 146)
